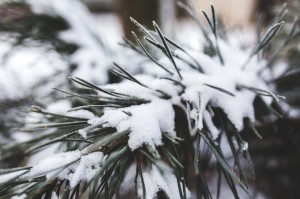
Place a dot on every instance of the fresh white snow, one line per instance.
(155, 181)
(23, 196)
(10, 176)
(51, 165)
(72, 166)
(146, 122)
(85, 170)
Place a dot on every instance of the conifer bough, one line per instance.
(151, 135)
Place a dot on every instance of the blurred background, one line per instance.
(234, 13)
(40, 50)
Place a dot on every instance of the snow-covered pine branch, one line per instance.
(112, 129)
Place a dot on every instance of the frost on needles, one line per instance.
(130, 125)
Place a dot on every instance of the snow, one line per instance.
(83, 133)
(83, 114)
(239, 108)
(21, 71)
(279, 68)
(227, 77)
(155, 182)
(85, 170)
(236, 107)
(23, 196)
(129, 179)
(92, 56)
(54, 196)
(52, 165)
(63, 107)
(20, 137)
(198, 89)
(290, 111)
(27, 67)
(245, 146)
(10, 176)
(59, 107)
(146, 122)
(40, 155)
(189, 34)
(210, 125)
(136, 90)
(72, 166)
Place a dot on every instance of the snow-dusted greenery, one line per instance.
(63, 44)
(153, 134)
